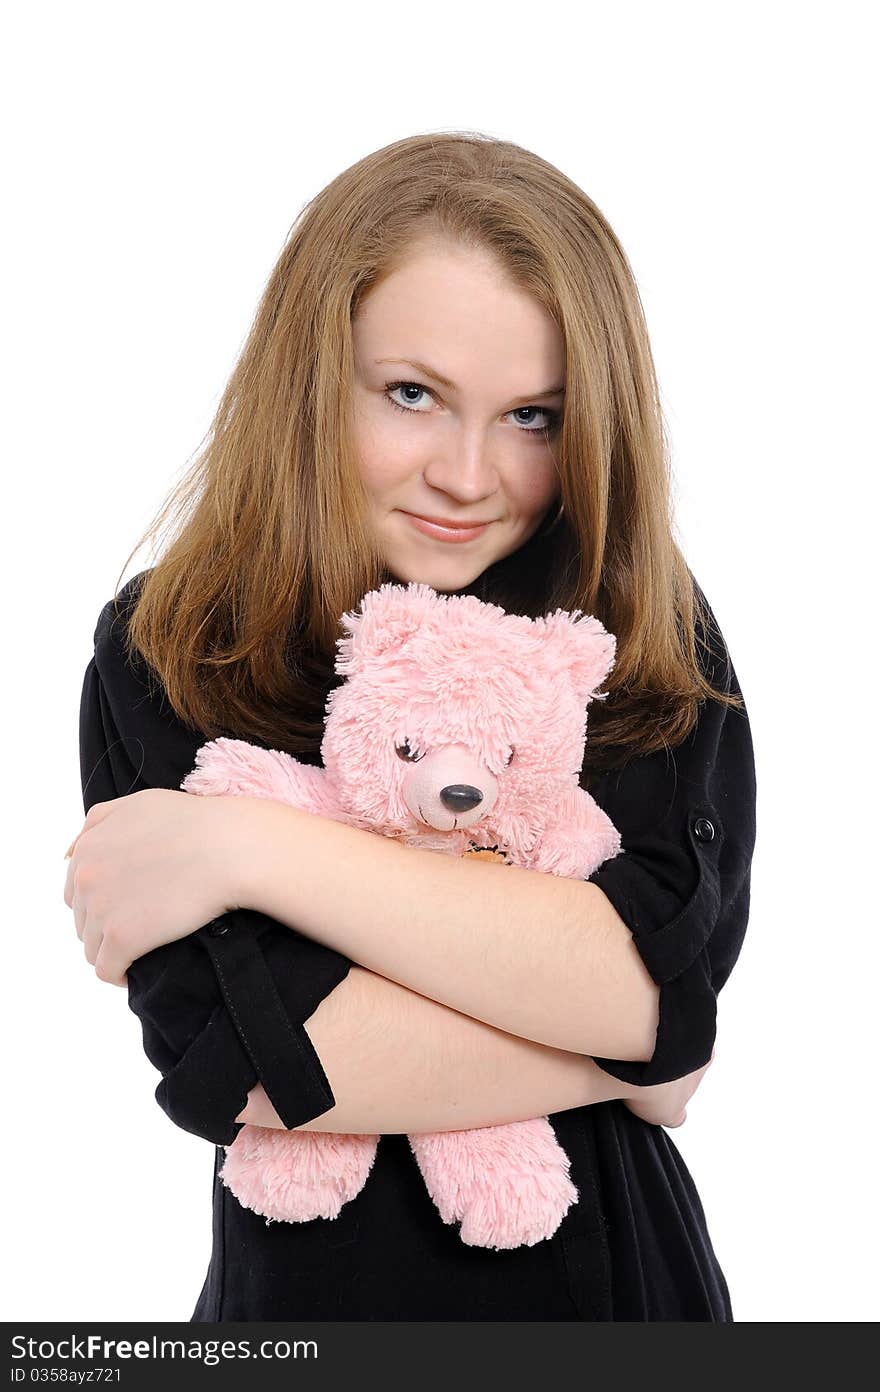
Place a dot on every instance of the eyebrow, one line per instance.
(445, 382)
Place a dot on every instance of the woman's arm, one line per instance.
(541, 957)
(399, 1062)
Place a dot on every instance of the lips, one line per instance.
(447, 521)
(446, 530)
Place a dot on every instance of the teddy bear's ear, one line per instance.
(384, 621)
(586, 648)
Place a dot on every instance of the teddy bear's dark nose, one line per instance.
(460, 797)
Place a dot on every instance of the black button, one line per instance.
(216, 928)
(704, 829)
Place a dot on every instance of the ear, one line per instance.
(384, 622)
(583, 647)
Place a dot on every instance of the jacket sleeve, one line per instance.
(223, 1007)
(687, 819)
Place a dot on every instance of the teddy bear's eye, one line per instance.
(405, 751)
(510, 756)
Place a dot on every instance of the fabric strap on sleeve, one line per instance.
(209, 1086)
(280, 1049)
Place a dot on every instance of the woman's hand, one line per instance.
(149, 868)
(665, 1104)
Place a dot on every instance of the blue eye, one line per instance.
(404, 386)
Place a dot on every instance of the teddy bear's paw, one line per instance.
(226, 767)
(295, 1177)
(524, 1208)
(509, 1186)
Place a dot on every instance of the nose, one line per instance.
(460, 797)
(465, 470)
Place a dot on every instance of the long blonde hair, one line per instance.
(270, 536)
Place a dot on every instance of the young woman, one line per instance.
(448, 380)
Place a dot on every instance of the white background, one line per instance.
(156, 158)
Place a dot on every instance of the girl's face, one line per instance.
(457, 397)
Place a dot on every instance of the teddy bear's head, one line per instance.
(458, 720)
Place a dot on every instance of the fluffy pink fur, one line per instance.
(459, 727)
(325, 1171)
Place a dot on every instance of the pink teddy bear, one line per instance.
(460, 729)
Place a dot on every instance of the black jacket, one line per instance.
(225, 1006)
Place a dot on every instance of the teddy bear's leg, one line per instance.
(508, 1185)
(296, 1176)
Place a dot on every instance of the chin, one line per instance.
(441, 577)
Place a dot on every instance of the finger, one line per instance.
(79, 915)
(109, 965)
(96, 813)
(91, 939)
(69, 885)
(89, 822)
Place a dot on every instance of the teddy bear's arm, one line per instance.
(581, 838)
(232, 766)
